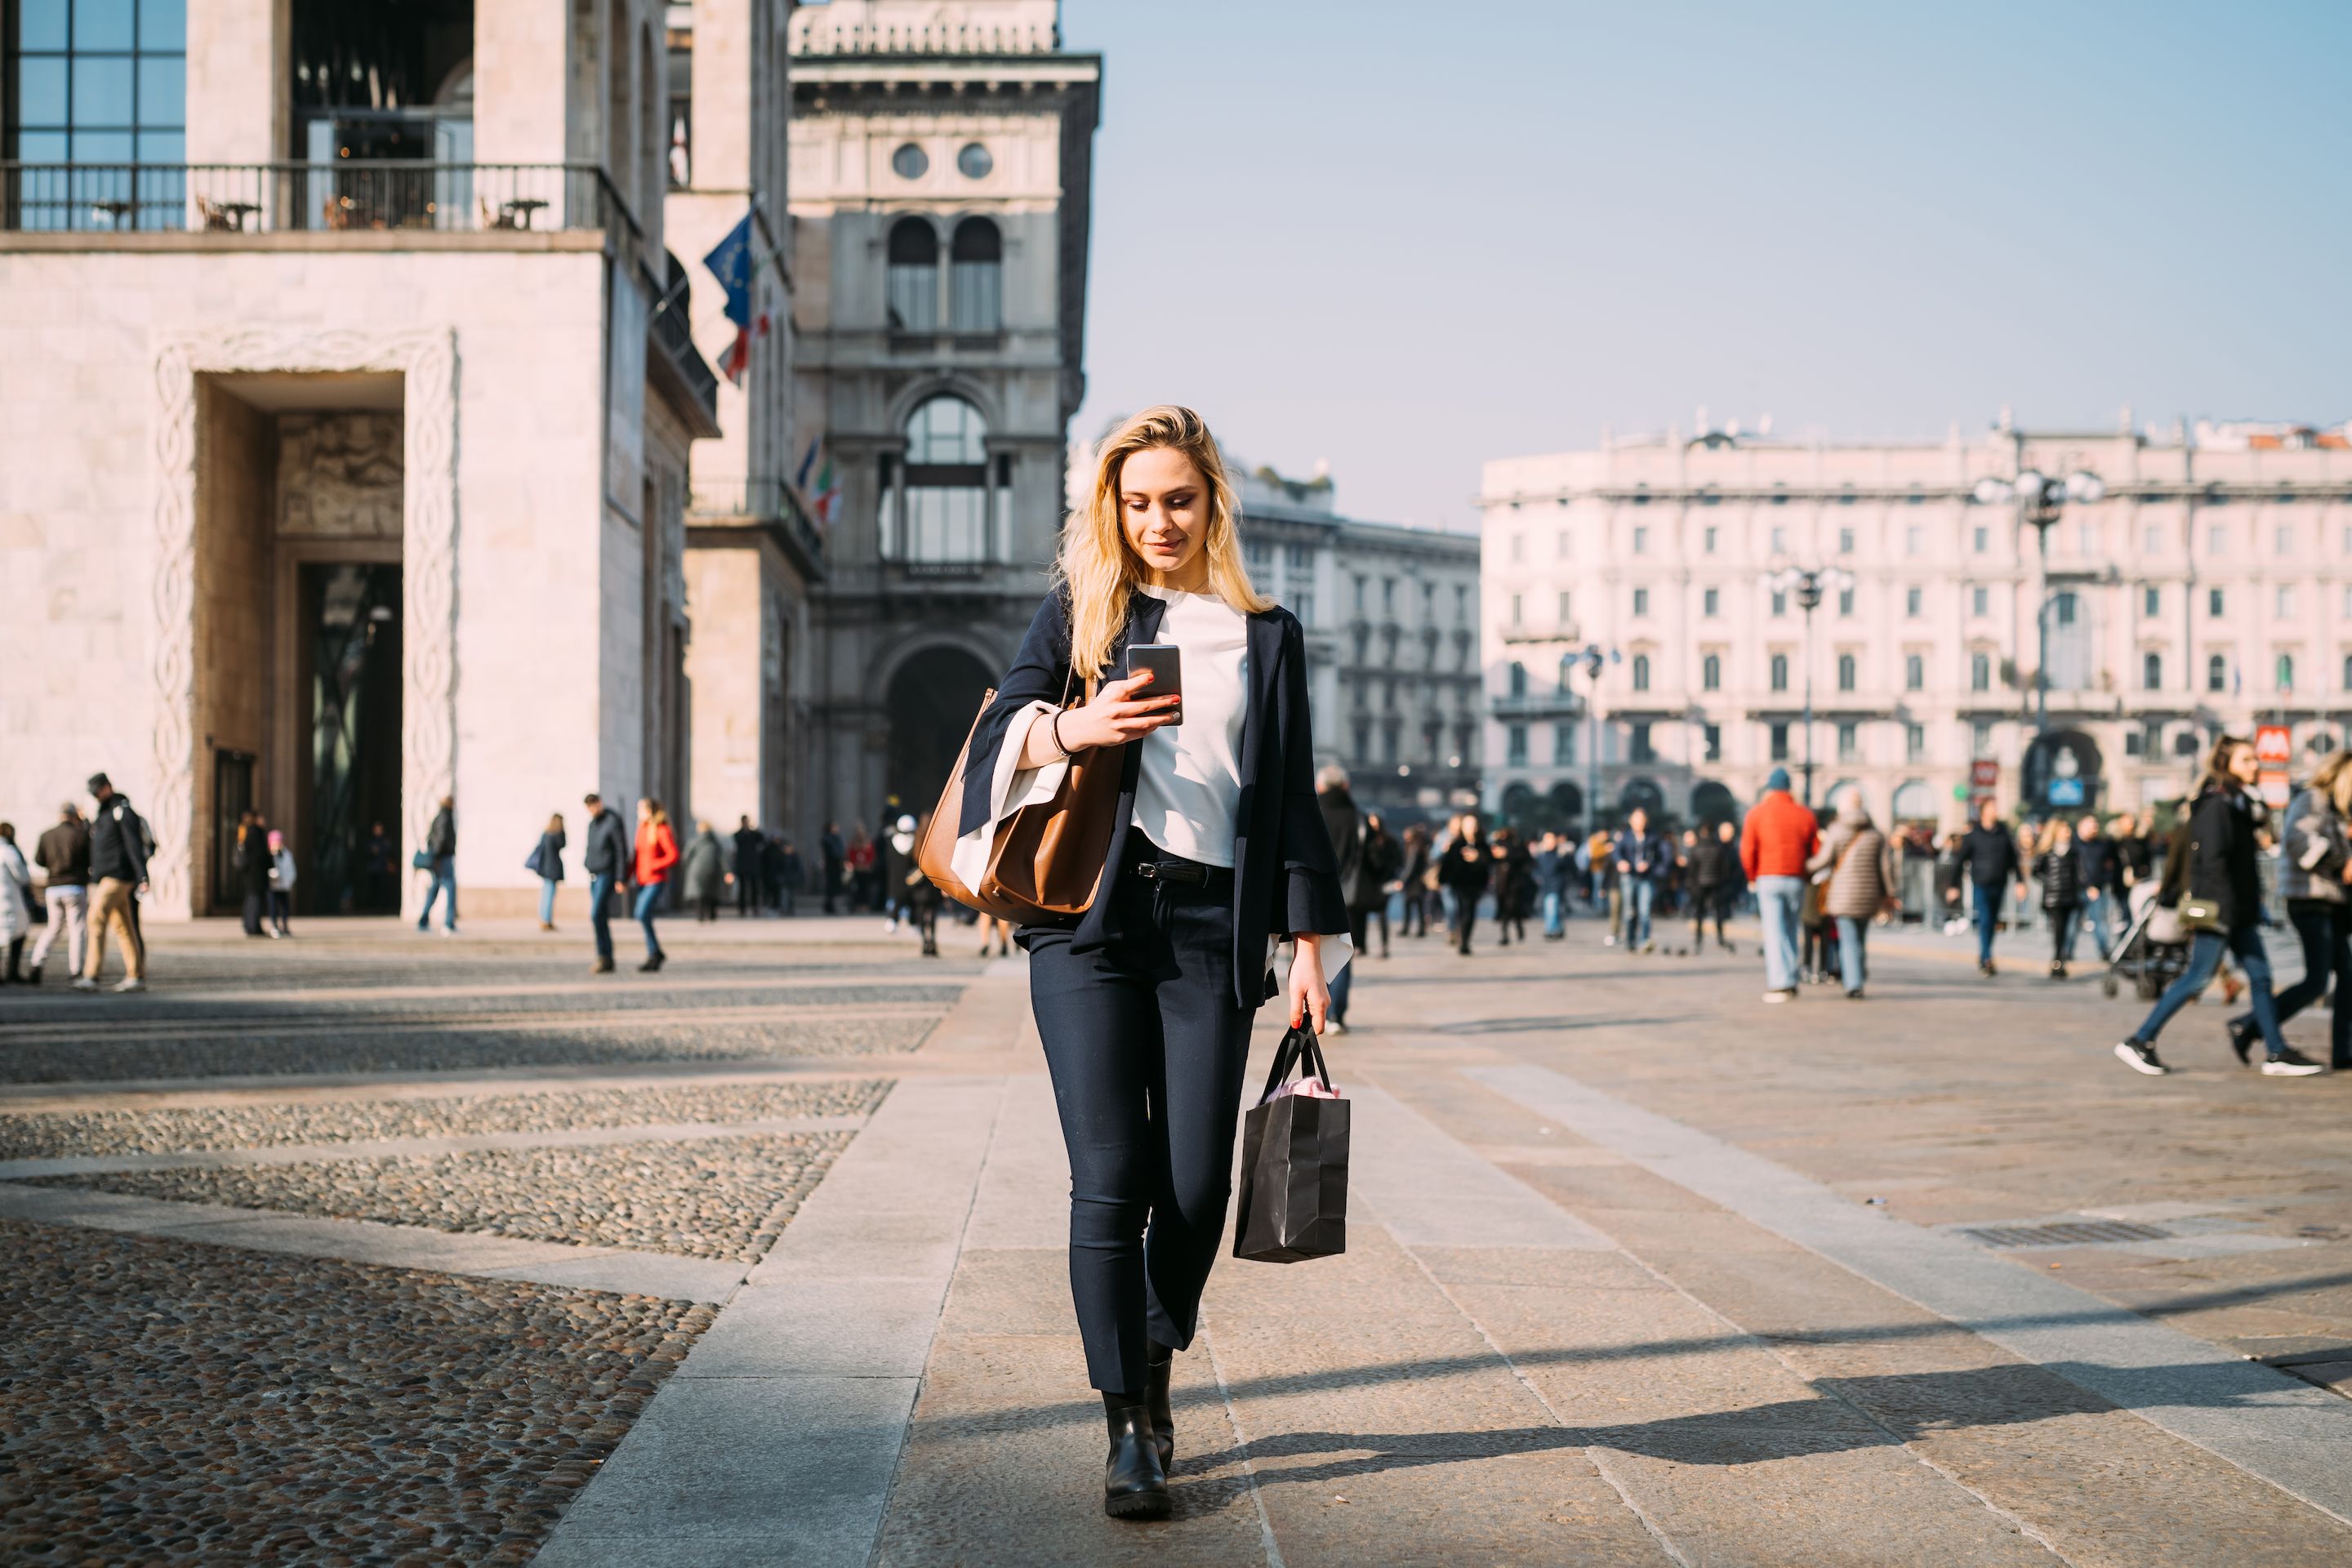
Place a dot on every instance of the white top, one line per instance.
(1190, 785)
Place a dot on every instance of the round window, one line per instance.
(974, 161)
(910, 161)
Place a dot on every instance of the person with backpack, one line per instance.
(117, 863)
(2058, 862)
(2211, 878)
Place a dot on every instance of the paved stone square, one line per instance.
(377, 1248)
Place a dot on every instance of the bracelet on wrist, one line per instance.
(1055, 728)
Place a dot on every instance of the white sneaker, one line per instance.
(85, 984)
(2295, 1064)
(2140, 1058)
(133, 984)
(448, 931)
(1775, 997)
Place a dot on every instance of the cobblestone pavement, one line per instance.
(169, 1401)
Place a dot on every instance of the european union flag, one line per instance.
(730, 262)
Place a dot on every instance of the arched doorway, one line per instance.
(1568, 803)
(933, 699)
(1713, 801)
(1645, 794)
(2061, 772)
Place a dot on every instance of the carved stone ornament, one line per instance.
(427, 363)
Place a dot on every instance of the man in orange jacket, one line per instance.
(1778, 838)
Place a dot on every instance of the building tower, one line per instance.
(941, 154)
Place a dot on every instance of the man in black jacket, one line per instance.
(441, 849)
(117, 865)
(605, 861)
(2102, 882)
(1346, 828)
(63, 856)
(1989, 855)
(751, 868)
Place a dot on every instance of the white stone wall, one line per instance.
(537, 720)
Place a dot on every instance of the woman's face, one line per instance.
(2243, 765)
(1163, 510)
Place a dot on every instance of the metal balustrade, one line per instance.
(350, 196)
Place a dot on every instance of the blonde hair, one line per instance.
(2056, 834)
(2334, 782)
(1097, 566)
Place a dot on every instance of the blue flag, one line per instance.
(730, 262)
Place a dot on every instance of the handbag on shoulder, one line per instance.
(1293, 1185)
(1046, 858)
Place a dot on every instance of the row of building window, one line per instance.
(1641, 744)
(2063, 606)
(1432, 743)
(2155, 540)
(2218, 675)
(975, 300)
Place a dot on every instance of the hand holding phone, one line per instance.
(1165, 661)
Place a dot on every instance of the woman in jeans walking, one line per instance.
(2313, 870)
(2058, 862)
(2212, 864)
(656, 852)
(1144, 1005)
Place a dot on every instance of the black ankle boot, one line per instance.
(1157, 1369)
(1135, 1486)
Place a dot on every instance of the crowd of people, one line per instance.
(92, 869)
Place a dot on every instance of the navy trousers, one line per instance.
(1147, 1048)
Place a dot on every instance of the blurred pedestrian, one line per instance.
(1864, 868)
(1714, 871)
(281, 885)
(117, 865)
(1346, 828)
(704, 874)
(1778, 838)
(547, 861)
(2313, 868)
(858, 865)
(63, 856)
(656, 852)
(750, 873)
(832, 860)
(253, 866)
(16, 905)
(2132, 851)
(1611, 885)
(1552, 867)
(1412, 882)
(1642, 857)
(2217, 888)
(441, 860)
(918, 894)
(2058, 863)
(1989, 855)
(997, 930)
(1383, 861)
(1463, 874)
(376, 872)
(2097, 857)
(783, 865)
(606, 861)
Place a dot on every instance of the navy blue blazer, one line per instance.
(1285, 877)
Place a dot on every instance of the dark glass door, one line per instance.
(351, 612)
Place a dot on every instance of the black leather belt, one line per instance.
(1172, 869)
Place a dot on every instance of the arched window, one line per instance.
(2287, 672)
(1640, 672)
(943, 512)
(2217, 673)
(1518, 679)
(1710, 672)
(2151, 671)
(914, 277)
(1780, 672)
(975, 278)
(1845, 672)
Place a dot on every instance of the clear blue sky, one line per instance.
(1410, 237)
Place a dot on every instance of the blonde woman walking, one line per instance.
(1219, 850)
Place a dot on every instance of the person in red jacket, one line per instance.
(657, 853)
(1780, 837)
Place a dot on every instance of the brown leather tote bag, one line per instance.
(1047, 860)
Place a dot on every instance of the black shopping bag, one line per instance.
(1294, 1197)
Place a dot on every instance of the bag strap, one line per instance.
(1298, 1048)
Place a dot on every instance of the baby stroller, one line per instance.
(2153, 950)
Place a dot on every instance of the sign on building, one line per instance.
(2275, 749)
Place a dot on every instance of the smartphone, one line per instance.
(1165, 661)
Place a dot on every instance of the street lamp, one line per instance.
(1595, 659)
(2041, 502)
(1807, 584)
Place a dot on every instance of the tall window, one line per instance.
(1980, 672)
(1563, 742)
(1710, 672)
(1912, 602)
(943, 516)
(1915, 742)
(1780, 672)
(1563, 617)
(1713, 737)
(1849, 742)
(1641, 541)
(2213, 602)
(914, 277)
(2151, 602)
(1979, 601)
(1779, 742)
(1640, 672)
(1845, 672)
(1518, 679)
(976, 277)
(1515, 739)
(1711, 603)
(1845, 603)
(105, 84)
(2285, 673)
(2217, 673)
(1779, 602)
(1644, 750)
(1641, 602)
(2151, 671)
(1915, 672)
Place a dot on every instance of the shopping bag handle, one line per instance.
(1299, 1048)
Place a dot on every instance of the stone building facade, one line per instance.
(940, 165)
(1391, 622)
(346, 457)
(2206, 589)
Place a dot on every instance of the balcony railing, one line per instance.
(675, 341)
(765, 499)
(348, 195)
